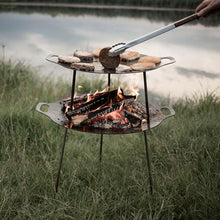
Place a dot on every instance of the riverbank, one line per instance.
(184, 153)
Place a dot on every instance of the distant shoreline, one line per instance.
(92, 6)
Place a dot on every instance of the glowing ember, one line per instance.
(113, 116)
(133, 90)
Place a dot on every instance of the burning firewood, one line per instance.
(80, 119)
(100, 101)
(133, 119)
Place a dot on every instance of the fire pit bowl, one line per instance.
(55, 113)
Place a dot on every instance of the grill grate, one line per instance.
(56, 113)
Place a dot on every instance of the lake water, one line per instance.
(30, 37)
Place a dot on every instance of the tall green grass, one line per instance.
(184, 153)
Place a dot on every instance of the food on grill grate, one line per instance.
(108, 64)
(83, 66)
(96, 52)
(143, 66)
(83, 55)
(68, 59)
(107, 61)
(151, 59)
(129, 56)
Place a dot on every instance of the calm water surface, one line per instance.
(196, 48)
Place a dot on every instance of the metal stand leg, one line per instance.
(101, 140)
(61, 160)
(64, 138)
(109, 81)
(145, 132)
(146, 99)
(148, 162)
(73, 89)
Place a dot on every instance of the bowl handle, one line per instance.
(172, 112)
(39, 105)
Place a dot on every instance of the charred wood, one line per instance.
(133, 119)
(79, 119)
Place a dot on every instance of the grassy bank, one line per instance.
(184, 158)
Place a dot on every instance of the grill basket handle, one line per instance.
(172, 112)
(52, 58)
(38, 108)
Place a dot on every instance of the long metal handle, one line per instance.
(186, 20)
(162, 30)
(120, 48)
(150, 35)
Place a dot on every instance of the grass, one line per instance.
(184, 154)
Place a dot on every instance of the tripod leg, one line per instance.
(109, 81)
(145, 132)
(61, 159)
(64, 138)
(73, 89)
(146, 99)
(101, 139)
(148, 163)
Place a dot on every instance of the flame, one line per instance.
(89, 98)
(94, 95)
(120, 93)
(104, 90)
(67, 108)
(75, 94)
(133, 90)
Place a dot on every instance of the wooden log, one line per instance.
(133, 119)
(93, 104)
(96, 103)
(80, 119)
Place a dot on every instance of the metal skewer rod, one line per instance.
(65, 134)
(145, 132)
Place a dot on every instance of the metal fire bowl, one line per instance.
(119, 70)
(55, 113)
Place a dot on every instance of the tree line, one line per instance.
(151, 3)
